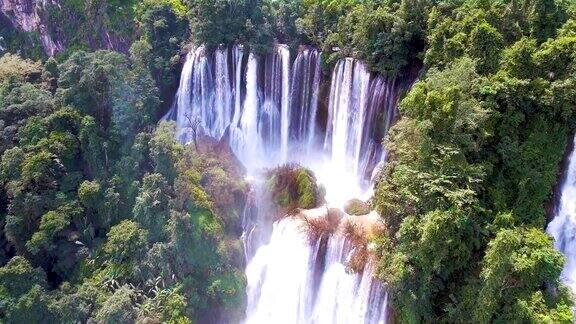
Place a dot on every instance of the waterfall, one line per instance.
(361, 109)
(294, 280)
(273, 122)
(563, 226)
(356, 100)
(203, 96)
(358, 297)
(223, 96)
(280, 276)
(268, 108)
(284, 54)
(305, 87)
(247, 144)
(237, 55)
(184, 95)
(202, 109)
(382, 94)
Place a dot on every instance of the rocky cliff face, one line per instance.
(59, 24)
(28, 15)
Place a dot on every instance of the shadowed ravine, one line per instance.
(268, 109)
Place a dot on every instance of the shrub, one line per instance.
(292, 186)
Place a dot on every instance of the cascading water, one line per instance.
(381, 91)
(348, 97)
(184, 96)
(280, 276)
(267, 107)
(284, 54)
(237, 56)
(361, 109)
(563, 226)
(296, 279)
(305, 88)
(359, 298)
(246, 141)
(223, 93)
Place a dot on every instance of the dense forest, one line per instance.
(106, 217)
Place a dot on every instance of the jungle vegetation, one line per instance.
(105, 216)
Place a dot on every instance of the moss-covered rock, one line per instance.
(356, 207)
(292, 186)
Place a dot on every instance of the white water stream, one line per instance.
(563, 226)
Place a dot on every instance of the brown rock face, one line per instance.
(334, 217)
(22, 13)
(27, 15)
(58, 33)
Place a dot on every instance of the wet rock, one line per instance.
(334, 217)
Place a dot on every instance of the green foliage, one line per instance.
(51, 228)
(40, 169)
(126, 242)
(117, 308)
(22, 293)
(70, 25)
(15, 40)
(387, 36)
(105, 217)
(307, 191)
(282, 20)
(517, 264)
(121, 217)
(165, 151)
(90, 25)
(103, 86)
(517, 59)
(227, 289)
(22, 95)
(164, 30)
(485, 44)
(489, 27)
(319, 18)
(224, 21)
(545, 17)
(89, 194)
(215, 179)
(151, 207)
(432, 148)
(13, 68)
(169, 306)
(357, 207)
(472, 163)
(18, 276)
(292, 186)
(556, 57)
(431, 254)
(33, 307)
(378, 35)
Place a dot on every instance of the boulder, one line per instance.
(292, 187)
(357, 207)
